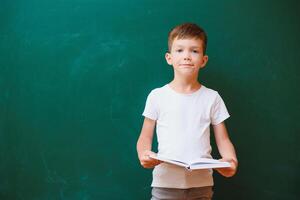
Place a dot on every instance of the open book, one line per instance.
(202, 163)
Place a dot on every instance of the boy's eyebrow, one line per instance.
(193, 47)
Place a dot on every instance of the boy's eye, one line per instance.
(178, 50)
(195, 51)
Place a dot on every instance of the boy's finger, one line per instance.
(146, 158)
(151, 153)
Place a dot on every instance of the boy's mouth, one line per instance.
(186, 65)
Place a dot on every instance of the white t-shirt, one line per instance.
(183, 132)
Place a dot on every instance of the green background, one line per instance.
(75, 74)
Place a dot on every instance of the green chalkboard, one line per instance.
(75, 74)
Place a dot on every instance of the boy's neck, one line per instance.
(184, 85)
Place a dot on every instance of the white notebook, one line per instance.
(201, 163)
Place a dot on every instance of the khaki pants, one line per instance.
(200, 193)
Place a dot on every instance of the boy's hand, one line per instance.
(146, 161)
(228, 171)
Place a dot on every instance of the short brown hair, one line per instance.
(187, 31)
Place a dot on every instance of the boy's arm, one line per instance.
(226, 150)
(144, 144)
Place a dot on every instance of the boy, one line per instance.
(182, 112)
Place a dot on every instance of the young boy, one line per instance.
(182, 112)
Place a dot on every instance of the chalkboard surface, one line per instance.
(75, 74)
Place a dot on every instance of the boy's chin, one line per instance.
(188, 70)
(187, 74)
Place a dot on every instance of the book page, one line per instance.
(209, 164)
(206, 160)
(171, 161)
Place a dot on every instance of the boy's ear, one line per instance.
(168, 58)
(205, 60)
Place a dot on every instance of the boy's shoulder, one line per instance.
(159, 90)
(210, 91)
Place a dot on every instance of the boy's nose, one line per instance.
(187, 56)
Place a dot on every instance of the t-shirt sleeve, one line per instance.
(151, 109)
(219, 111)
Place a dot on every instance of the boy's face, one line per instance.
(186, 56)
